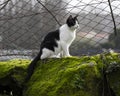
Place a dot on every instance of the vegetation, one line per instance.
(113, 41)
(74, 76)
(12, 75)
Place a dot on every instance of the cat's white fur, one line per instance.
(67, 35)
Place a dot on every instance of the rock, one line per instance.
(75, 76)
(12, 75)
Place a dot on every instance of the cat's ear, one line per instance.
(70, 17)
(76, 16)
(70, 21)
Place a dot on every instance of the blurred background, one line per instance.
(23, 24)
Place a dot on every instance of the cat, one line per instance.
(56, 43)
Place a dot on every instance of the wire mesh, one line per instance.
(23, 24)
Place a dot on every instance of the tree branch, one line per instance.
(4, 4)
(115, 29)
(49, 12)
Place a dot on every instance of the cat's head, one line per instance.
(72, 22)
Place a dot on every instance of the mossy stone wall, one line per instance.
(74, 76)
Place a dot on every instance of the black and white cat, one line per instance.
(56, 43)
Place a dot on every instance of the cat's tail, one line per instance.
(32, 66)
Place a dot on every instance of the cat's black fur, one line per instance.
(71, 22)
(49, 43)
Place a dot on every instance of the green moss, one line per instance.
(13, 67)
(114, 72)
(63, 77)
(74, 76)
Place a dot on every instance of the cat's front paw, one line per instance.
(68, 55)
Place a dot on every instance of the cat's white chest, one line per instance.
(67, 35)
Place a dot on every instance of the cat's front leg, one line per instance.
(65, 49)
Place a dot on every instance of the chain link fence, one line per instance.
(23, 24)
